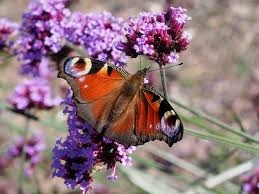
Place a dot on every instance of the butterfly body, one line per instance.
(119, 105)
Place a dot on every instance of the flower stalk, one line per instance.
(23, 158)
(164, 82)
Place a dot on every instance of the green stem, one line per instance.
(23, 158)
(217, 122)
(164, 84)
(38, 190)
(239, 122)
(226, 141)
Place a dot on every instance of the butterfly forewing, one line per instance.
(94, 84)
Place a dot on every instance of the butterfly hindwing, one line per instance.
(159, 120)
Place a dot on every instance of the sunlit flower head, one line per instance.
(160, 36)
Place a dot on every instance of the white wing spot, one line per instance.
(82, 79)
(177, 124)
(158, 126)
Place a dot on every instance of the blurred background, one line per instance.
(220, 77)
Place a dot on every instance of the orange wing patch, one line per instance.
(93, 86)
(146, 121)
(141, 119)
(91, 79)
(153, 100)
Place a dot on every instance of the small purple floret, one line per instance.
(250, 182)
(158, 36)
(41, 33)
(31, 149)
(34, 93)
(97, 33)
(7, 30)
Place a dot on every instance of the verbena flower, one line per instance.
(7, 29)
(250, 183)
(44, 69)
(34, 93)
(40, 33)
(31, 149)
(84, 151)
(159, 36)
(97, 33)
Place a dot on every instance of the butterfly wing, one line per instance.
(148, 117)
(95, 85)
(156, 119)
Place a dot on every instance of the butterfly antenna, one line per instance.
(165, 67)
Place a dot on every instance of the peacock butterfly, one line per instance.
(119, 105)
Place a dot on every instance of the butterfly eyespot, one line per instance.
(77, 67)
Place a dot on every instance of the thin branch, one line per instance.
(163, 80)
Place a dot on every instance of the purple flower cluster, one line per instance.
(31, 149)
(251, 182)
(34, 93)
(83, 151)
(158, 36)
(97, 33)
(41, 33)
(7, 29)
